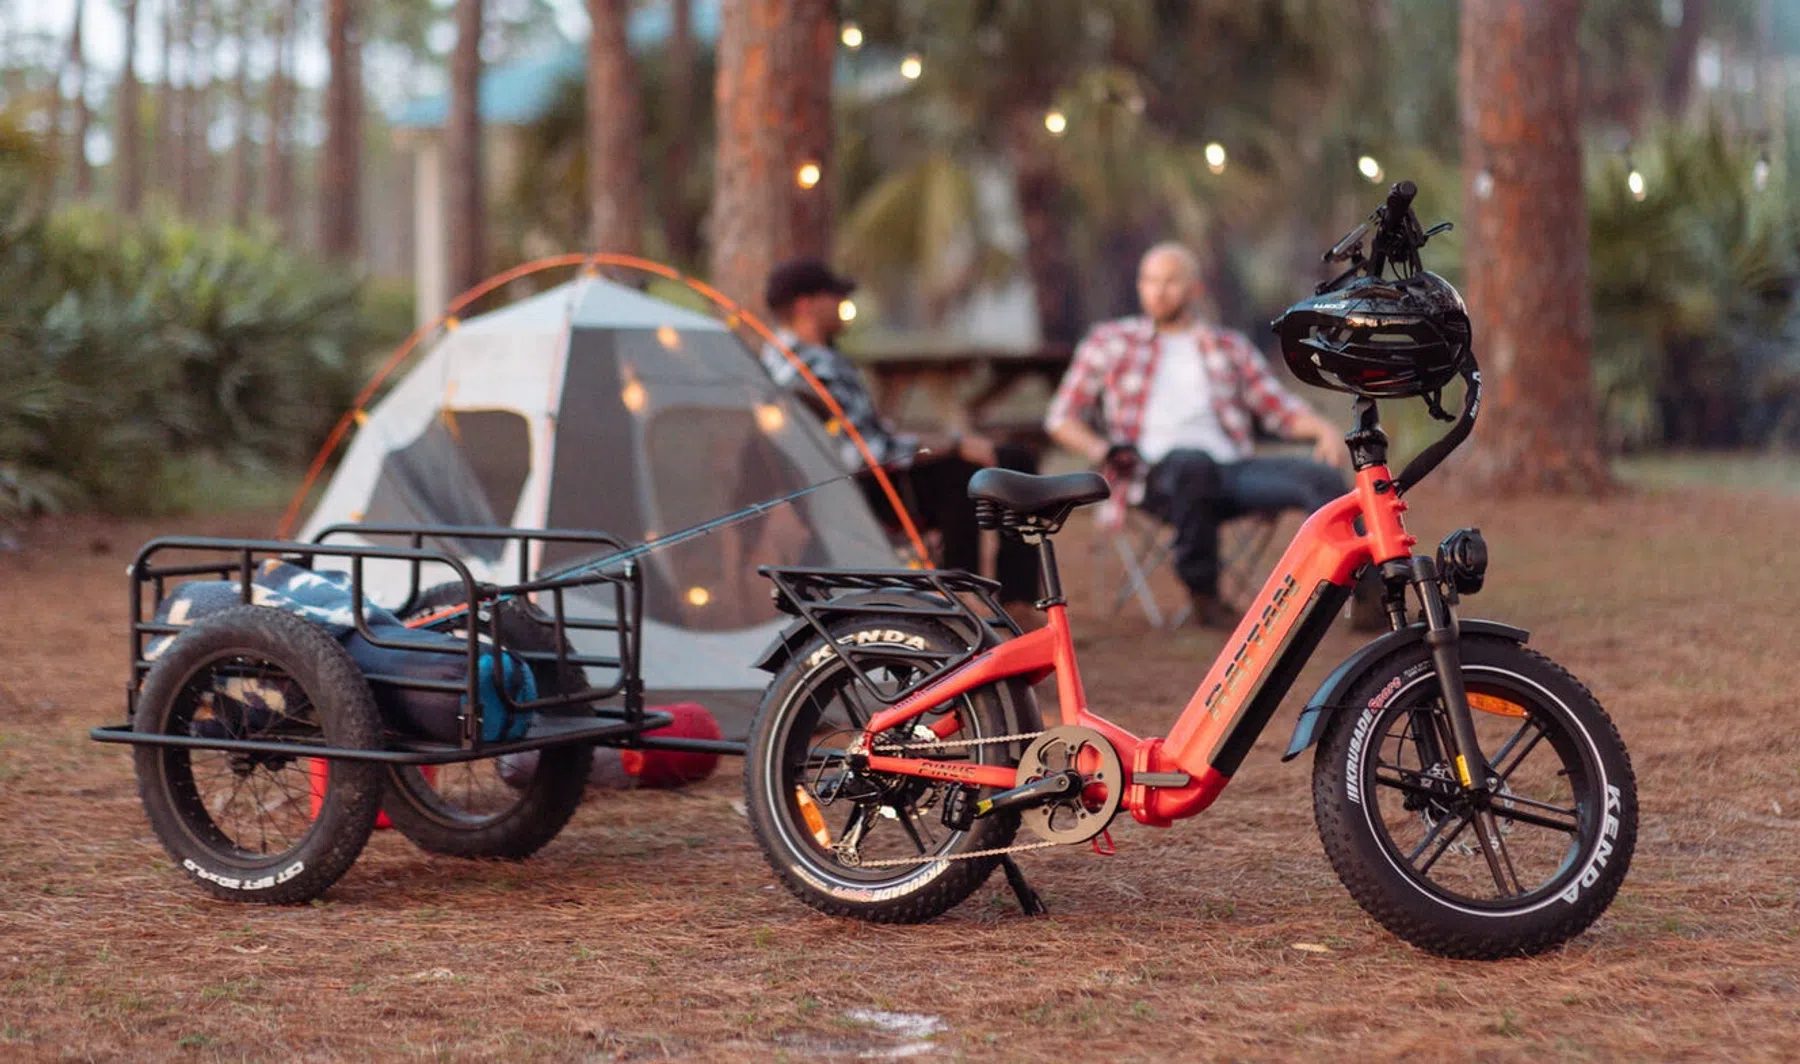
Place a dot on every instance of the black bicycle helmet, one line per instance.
(1378, 338)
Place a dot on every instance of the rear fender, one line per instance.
(1331, 694)
(1020, 702)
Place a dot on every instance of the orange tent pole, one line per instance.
(591, 262)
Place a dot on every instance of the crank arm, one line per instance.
(1037, 792)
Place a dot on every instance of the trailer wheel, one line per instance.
(242, 824)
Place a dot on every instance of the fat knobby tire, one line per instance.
(548, 800)
(1393, 898)
(914, 894)
(345, 712)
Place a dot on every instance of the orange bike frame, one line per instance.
(1241, 691)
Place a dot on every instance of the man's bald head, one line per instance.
(1168, 283)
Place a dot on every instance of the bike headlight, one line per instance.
(1463, 560)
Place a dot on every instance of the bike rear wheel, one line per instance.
(1402, 834)
(826, 829)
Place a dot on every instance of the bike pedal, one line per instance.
(958, 813)
(1108, 849)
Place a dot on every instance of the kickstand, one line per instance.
(1029, 902)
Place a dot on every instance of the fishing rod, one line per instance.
(704, 528)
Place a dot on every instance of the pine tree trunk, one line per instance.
(242, 182)
(165, 154)
(1678, 71)
(340, 172)
(129, 122)
(773, 101)
(278, 173)
(1049, 260)
(681, 225)
(615, 214)
(83, 183)
(466, 217)
(1526, 218)
(190, 126)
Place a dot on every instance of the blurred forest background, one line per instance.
(214, 213)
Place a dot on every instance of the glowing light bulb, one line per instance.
(1369, 168)
(1634, 181)
(668, 337)
(846, 311)
(1056, 122)
(634, 396)
(1215, 157)
(808, 175)
(770, 418)
(911, 67)
(1759, 174)
(698, 596)
(852, 36)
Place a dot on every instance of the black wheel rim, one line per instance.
(897, 818)
(1548, 812)
(469, 795)
(248, 809)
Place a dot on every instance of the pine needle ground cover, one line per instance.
(652, 930)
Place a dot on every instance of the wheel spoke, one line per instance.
(1569, 827)
(1505, 773)
(1487, 836)
(1409, 786)
(1445, 843)
(912, 832)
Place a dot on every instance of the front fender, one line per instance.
(1330, 696)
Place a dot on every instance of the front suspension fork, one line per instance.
(1443, 638)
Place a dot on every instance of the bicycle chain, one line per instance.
(887, 862)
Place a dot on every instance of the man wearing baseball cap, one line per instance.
(932, 472)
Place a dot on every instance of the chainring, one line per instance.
(1082, 816)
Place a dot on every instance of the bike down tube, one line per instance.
(1265, 653)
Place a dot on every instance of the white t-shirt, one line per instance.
(1178, 411)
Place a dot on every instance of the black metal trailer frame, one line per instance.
(621, 723)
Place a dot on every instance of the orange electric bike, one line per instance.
(1473, 797)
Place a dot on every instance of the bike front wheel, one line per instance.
(1409, 842)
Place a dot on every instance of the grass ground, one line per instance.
(651, 929)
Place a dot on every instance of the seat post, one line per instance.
(1048, 574)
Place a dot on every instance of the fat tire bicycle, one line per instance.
(1472, 796)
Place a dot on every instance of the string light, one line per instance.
(1215, 157)
(1056, 122)
(1634, 181)
(808, 175)
(852, 36)
(1369, 168)
(846, 311)
(1759, 173)
(698, 596)
(911, 67)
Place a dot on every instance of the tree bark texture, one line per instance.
(1527, 266)
(681, 224)
(129, 122)
(1049, 260)
(192, 120)
(243, 173)
(614, 134)
(773, 96)
(340, 174)
(166, 154)
(465, 217)
(83, 174)
(278, 175)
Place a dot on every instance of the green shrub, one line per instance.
(131, 355)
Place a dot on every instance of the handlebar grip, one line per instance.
(1399, 201)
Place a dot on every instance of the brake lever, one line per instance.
(1441, 227)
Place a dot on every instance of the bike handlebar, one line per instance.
(1399, 201)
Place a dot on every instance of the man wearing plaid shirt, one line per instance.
(1177, 401)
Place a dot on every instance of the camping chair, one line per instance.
(1144, 545)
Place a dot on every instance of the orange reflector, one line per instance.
(815, 820)
(1496, 705)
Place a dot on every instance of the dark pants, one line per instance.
(1195, 495)
(936, 493)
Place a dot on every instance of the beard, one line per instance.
(1180, 314)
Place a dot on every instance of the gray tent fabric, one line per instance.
(598, 407)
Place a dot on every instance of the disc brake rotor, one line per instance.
(1085, 814)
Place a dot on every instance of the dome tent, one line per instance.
(594, 406)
